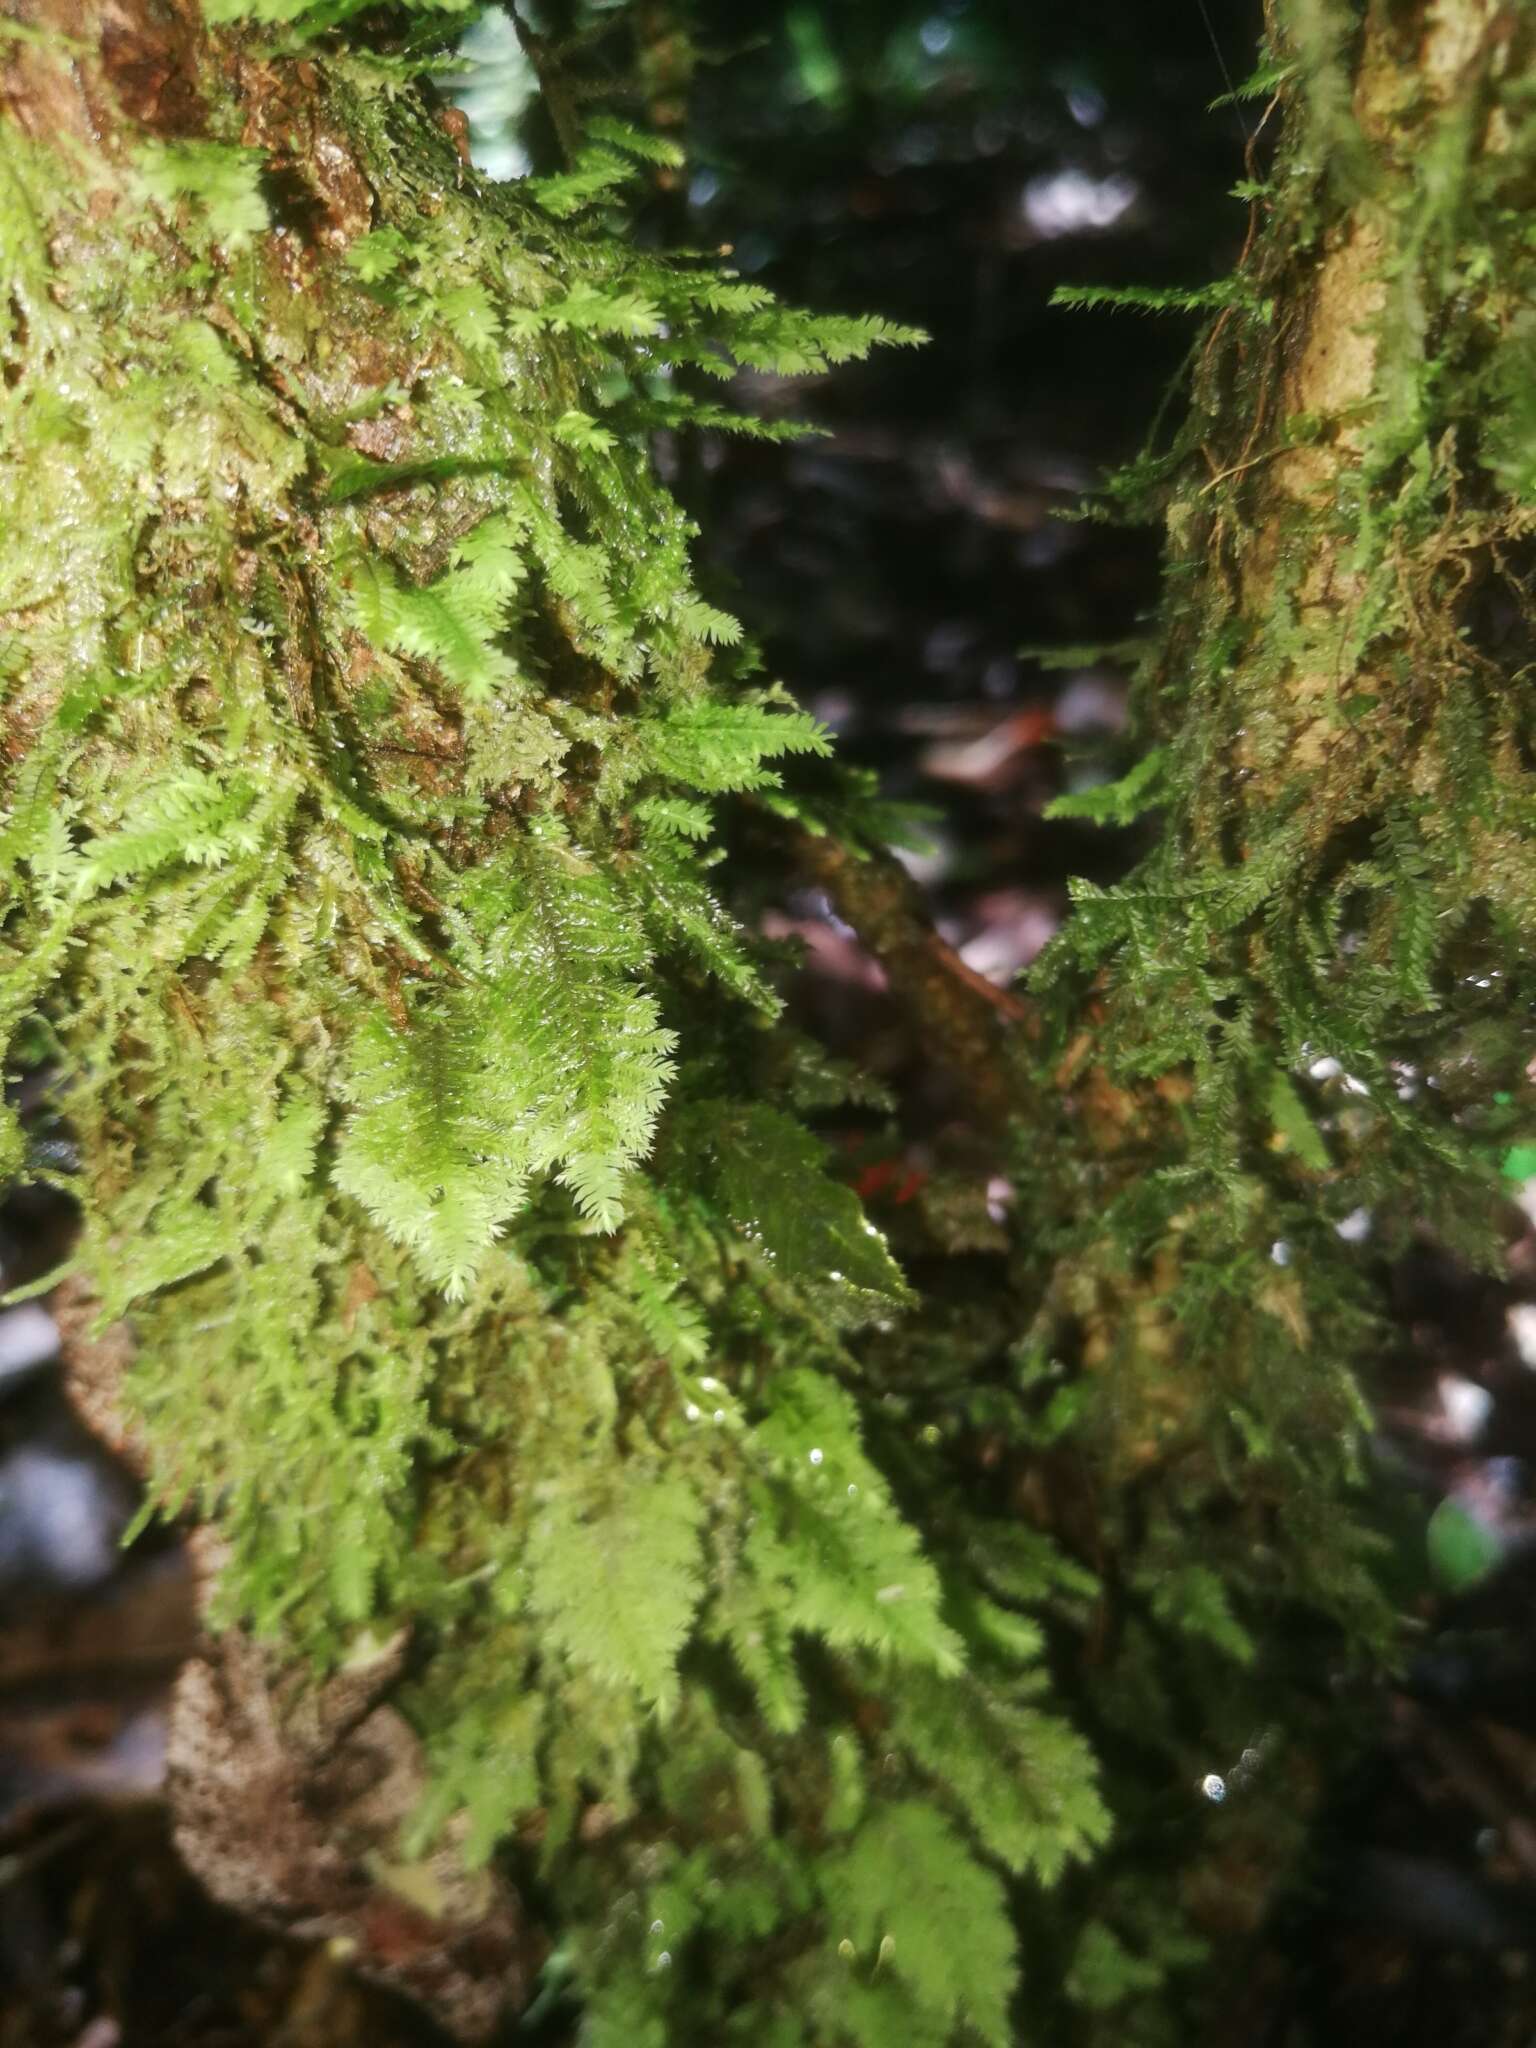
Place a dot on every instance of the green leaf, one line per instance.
(551, 1060)
(1225, 291)
(455, 621)
(351, 1568)
(1025, 1780)
(596, 172)
(484, 1764)
(616, 1575)
(1105, 1973)
(1259, 84)
(714, 746)
(910, 1898)
(1075, 654)
(191, 818)
(220, 11)
(433, 1149)
(578, 429)
(761, 1640)
(471, 317)
(219, 179)
(379, 254)
(1293, 1126)
(1192, 1597)
(681, 911)
(13, 1144)
(766, 1170)
(180, 1237)
(655, 149)
(1116, 803)
(830, 1553)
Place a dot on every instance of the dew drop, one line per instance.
(693, 1411)
(1214, 1788)
(658, 1927)
(852, 1491)
(1356, 1226)
(815, 1457)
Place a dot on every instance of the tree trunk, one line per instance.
(1303, 1031)
(441, 1142)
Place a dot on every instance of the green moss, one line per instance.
(369, 731)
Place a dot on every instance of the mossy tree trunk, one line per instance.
(1296, 1039)
(362, 733)
(1305, 999)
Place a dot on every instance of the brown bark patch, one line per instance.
(320, 186)
(148, 58)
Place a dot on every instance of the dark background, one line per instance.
(945, 165)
